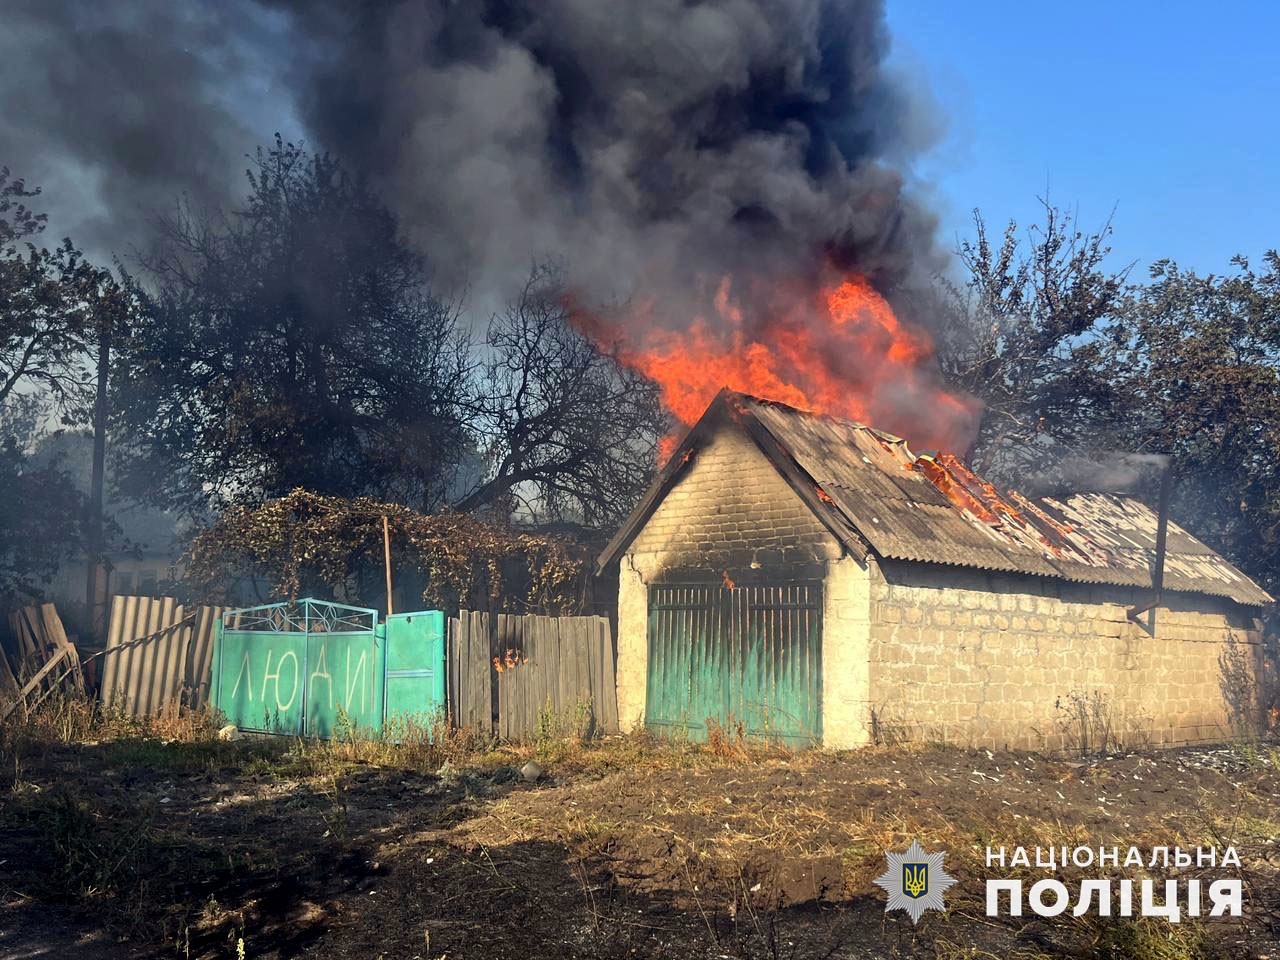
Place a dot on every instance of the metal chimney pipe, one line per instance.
(1162, 533)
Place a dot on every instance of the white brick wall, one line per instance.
(730, 510)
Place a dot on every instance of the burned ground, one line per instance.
(133, 846)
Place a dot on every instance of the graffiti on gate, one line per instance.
(287, 683)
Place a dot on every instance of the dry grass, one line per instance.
(724, 807)
(423, 744)
(730, 804)
(64, 718)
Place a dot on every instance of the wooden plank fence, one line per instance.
(470, 688)
(509, 674)
(157, 652)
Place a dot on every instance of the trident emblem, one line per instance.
(915, 879)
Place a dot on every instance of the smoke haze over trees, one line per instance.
(359, 316)
(293, 342)
(290, 342)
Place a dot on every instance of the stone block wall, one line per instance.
(993, 659)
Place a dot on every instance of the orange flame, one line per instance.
(841, 351)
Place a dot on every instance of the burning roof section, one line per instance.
(873, 492)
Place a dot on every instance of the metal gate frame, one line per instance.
(310, 625)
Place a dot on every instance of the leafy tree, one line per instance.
(45, 315)
(567, 432)
(40, 526)
(290, 343)
(1196, 362)
(1021, 334)
(1075, 363)
(54, 306)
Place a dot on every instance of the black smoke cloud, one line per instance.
(651, 146)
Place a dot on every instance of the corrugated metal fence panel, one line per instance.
(140, 678)
(557, 670)
(157, 651)
(200, 653)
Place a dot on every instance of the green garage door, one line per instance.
(749, 655)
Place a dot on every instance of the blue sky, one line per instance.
(1168, 112)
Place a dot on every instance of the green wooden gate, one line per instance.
(749, 655)
(313, 667)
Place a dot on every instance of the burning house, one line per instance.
(813, 580)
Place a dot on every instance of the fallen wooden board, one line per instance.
(65, 653)
(41, 640)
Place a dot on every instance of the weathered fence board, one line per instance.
(557, 668)
(470, 686)
(157, 651)
(39, 632)
(9, 685)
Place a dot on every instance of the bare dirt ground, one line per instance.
(133, 847)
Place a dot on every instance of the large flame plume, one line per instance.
(840, 350)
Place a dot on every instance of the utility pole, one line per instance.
(386, 559)
(96, 581)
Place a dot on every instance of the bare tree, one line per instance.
(567, 431)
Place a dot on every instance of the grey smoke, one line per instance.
(1101, 472)
(648, 145)
(116, 109)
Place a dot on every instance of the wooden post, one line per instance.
(386, 558)
(96, 574)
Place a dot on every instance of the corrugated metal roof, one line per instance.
(935, 510)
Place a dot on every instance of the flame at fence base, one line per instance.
(545, 667)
